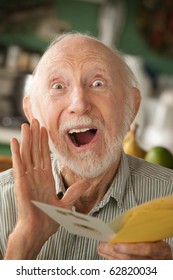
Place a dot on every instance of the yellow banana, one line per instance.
(130, 145)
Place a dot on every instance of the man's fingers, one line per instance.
(143, 249)
(18, 168)
(34, 148)
(74, 192)
(112, 252)
(147, 250)
(25, 146)
(46, 162)
(35, 143)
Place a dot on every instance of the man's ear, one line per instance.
(27, 108)
(137, 100)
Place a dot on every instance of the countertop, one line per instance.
(7, 133)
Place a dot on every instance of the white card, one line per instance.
(78, 223)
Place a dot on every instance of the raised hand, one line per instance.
(34, 181)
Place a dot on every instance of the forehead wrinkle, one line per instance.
(75, 53)
(58, 66)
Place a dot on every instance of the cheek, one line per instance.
(112, 110)
(55, 116)
(49, 116)
(50, 110)
(113, 114)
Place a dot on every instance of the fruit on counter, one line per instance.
(160, 156)
(130, 144)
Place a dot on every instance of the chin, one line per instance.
(88, 164)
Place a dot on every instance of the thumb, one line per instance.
(74, 192)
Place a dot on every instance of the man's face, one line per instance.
(80, 99)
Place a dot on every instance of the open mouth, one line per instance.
(82, 136)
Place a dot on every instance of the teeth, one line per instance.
(76, 130)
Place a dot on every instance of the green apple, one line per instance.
(160, 156)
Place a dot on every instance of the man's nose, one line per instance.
(80, 102)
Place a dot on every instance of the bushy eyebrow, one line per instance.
(101, 72)
(57, 73)
(89, 70)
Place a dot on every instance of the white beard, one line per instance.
(88, 164)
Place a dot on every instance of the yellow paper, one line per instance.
(151, 221)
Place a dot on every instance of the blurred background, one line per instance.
(141, 29)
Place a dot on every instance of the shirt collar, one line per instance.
(59, 183)
(118, 186)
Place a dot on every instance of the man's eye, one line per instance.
(97, 83)
(57, 86)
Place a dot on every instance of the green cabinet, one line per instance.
(134, 42)
(26, 26)
(5, 149)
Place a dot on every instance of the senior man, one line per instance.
(80, 103)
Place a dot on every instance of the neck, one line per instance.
(98, 187)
